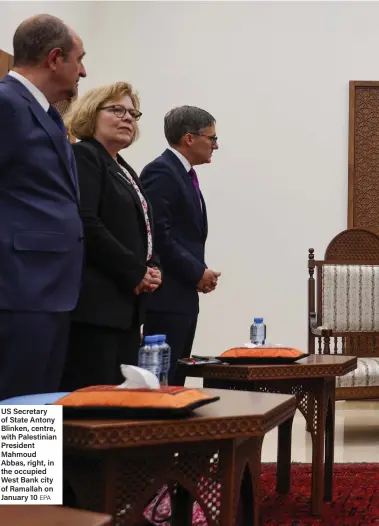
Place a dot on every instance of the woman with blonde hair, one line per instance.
(120, 265)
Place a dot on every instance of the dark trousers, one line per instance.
(180, 330)
(33, 347)
(96, 353)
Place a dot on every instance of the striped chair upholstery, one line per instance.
(343, 308)
(350, 303)
(365, 375)
(350, 298)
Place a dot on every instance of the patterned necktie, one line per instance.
(195, 182)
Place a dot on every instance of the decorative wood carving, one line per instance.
(203, 456)
(363, 192)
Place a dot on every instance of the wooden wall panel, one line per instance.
(6, 62)
(363, 187)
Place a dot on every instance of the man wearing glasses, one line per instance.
(181, 228)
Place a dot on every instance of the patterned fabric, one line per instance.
(164, 510)
(131, 180)
(365, 375)
(350, 297)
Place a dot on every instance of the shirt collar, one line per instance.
(37, 94)
(185, 162)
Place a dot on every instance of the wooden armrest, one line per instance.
(318, 330)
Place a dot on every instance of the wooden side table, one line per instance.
(117, 466)
(313, 381)
(50, 516)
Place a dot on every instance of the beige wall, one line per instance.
(275, 76)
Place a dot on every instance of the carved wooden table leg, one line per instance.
(311, 411)
(329, 438)
(125, 480)
(317, 429)
(283, 477)
(316, 394)
(248, 474)
(315, 398)
(181, 508)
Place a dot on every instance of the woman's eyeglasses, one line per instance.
(120, 112)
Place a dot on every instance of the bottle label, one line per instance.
(258, 334)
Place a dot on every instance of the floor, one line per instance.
(356, 439)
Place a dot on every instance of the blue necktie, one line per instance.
(56, 117)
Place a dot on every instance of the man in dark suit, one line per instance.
(180, 220)
(41, 237)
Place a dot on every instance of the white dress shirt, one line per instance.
(37, 94)
(185, 162)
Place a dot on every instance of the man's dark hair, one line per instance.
(185, 119)
(37, 36)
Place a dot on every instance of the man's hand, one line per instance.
(151, 281)
(208, 282)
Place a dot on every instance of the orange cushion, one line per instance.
(109, 396)
(275, 352)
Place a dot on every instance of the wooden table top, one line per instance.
(50, 516)
(313, 366)
(236, 414)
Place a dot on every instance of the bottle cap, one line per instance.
(151, 339)
(258, 320)
(161, 337)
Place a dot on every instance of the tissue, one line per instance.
(138, 378)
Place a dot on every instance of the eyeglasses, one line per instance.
(120, 112)
(212, 138)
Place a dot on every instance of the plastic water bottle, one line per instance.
(258, 332)
(165, 358)
(149, 355)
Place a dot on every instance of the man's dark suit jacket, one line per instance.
(180, 224)
(115, 240)
(41, 238)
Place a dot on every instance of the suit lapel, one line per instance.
(58, 138)
(75, 174)
(191, 193)
(205, 217)
(117, 172)
(122, 177)
(55, 134)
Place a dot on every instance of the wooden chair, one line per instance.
(343, 308)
